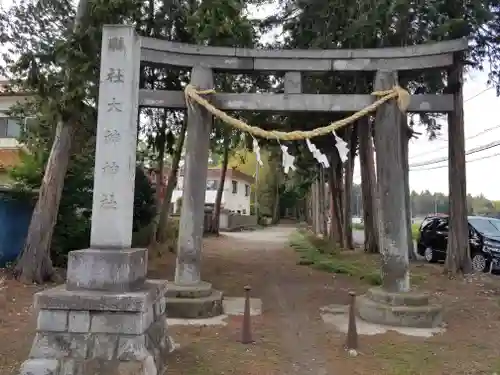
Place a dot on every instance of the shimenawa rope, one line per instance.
(193, 94)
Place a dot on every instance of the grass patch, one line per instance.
(414, 229)
(358, 226)
(322, 255)
(415, 358)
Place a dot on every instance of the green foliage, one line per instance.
(72, 230)
(221, 23)
(320, 254)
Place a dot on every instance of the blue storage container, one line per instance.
(15, 216)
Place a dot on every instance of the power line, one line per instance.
(474, 136)
(445, 158)
(467, 161)
(479, 93)
(467, 139)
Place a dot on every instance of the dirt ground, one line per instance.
(290, 336)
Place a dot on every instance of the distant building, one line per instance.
(236, 195)
(10, 129)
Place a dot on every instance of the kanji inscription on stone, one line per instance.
(115, 75)
(116, 44)
(114, 106)
(112, 136)
(108, 201)
(111, 167)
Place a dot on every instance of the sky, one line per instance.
(480, 107)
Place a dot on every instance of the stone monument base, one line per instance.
(193, 301)
(100, 333)
(399, 309)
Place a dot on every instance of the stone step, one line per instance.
(398, 299)
(429, 316)
(195, 308)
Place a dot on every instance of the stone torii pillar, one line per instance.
(188, 296)
(394, 303)
(107, 319)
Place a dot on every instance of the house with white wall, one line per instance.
(10, 129)
(236, 194)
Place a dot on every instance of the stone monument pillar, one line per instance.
(188, 296)
(393, 303)
(107, 319)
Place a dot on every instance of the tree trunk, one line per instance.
(171, 183)
(34, 263)
(458, 253)
(368, 186)
(160, 162)
(323, 205)
(276, 206)
(349, 169)
(220, 188)
(335, 182)
(406, 134)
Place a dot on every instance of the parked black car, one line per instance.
(484, 240)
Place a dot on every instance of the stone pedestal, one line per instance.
(100, 333)
(106, 320)
(193, 301)
(406, 309)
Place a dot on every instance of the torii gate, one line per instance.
(107, 318)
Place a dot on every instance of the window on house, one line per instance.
(212, 185)
(13, 128)
(235, 186)
(9, 127)
(3, 127)
(247, 190)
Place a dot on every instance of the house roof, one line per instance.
(9, 157)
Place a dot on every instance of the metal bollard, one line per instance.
(246, 332)
(352, 332)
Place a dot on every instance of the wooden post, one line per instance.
(458, 254)
(390, 176)
(187, 270)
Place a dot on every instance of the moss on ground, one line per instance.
(321, 254)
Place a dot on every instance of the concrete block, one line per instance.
(122, 323)
(427, 316)
(104, 346)
(52, 345)
(398, 299)
(40, 367)
(79, 321)
(201, 289)
(52, 321)
(132, 348)
(195, 308)
(69, 367)
(121, 270)
(59, 298)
